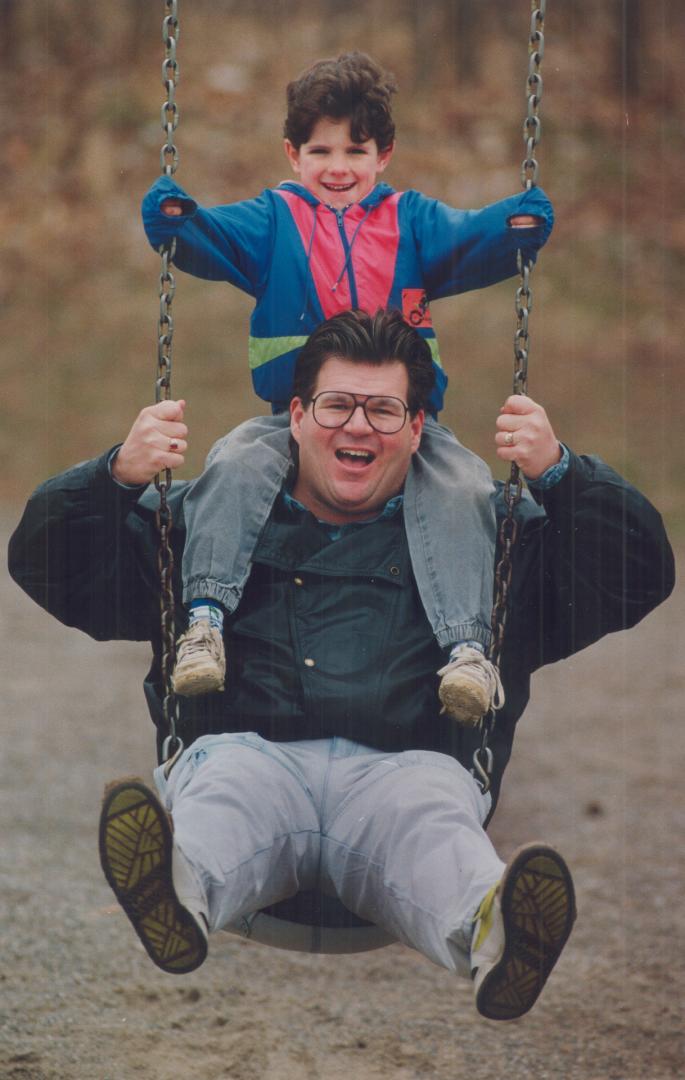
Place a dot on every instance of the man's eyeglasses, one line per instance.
(333, 408)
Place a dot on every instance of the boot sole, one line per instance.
(135, 852)
(538, 906)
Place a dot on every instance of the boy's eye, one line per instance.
(358, 150)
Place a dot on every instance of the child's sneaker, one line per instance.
(151, 878)
(519, 931)
(470, 686)
(200, 660)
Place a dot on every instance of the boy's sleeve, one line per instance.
(227, 243)
(469, 249)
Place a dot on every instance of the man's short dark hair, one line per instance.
(371, 339)
(352, 86)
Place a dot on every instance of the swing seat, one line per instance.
(314, 923)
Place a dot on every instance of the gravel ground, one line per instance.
(597, 771)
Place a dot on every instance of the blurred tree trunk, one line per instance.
(10, 36)
(627, 49)
(428, 25)
(142, 26)
(452, 32)
(466, 19)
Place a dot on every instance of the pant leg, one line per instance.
(404, 846)
(450, 521)
(228, 505)
(245, 820)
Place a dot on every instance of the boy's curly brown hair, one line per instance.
(352, 86)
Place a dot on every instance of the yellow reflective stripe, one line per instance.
(435, 351)
(261, 350)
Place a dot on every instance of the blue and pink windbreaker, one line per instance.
(304, 262)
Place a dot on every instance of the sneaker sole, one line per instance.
(463, 704)
(135, 853)
(200, 681)
(538, 906)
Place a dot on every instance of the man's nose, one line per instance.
(357, 423)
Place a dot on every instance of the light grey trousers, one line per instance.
(448, 511)
(397, 837)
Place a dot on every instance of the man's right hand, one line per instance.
(157, 441)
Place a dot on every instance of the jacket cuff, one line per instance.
(104, 492)
(552, 475)
(560, 497)
(111, 456)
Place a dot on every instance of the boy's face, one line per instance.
(333, 167)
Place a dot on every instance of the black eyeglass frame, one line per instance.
(360, 404)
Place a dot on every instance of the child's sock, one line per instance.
(207, 609)
(471, 644)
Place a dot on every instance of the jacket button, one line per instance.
(298, 581)
(394, 570)
(308, 662)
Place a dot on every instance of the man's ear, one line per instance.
(384, 157)
(292, 155)
(416, 425)
(296, 416)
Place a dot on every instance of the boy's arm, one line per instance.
(469, 249)
(227, 243)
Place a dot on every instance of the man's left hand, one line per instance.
(525, 435)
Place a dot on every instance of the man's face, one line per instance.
(349, 473)
(333, 167)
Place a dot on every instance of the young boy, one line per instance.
(336, 239)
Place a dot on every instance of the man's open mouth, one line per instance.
(355, 457)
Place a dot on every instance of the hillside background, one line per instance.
(80, 98)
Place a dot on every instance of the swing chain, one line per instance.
(170, 74)
(513, 487)
(165, 332)
(531, 125)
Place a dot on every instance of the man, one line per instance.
(326, 764)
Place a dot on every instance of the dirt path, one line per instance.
(598, 770)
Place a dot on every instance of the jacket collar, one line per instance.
(375, 197)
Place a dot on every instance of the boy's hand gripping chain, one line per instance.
(482, 758)
(173, 745)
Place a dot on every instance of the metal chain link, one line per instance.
(165, 333)
(513, 488)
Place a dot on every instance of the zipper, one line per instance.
(339, 216)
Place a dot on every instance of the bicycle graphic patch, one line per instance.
(415, 307)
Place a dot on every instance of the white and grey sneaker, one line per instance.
(200, 660)
(470, 686)
(520, 930)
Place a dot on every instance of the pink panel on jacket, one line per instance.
(374, 251)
